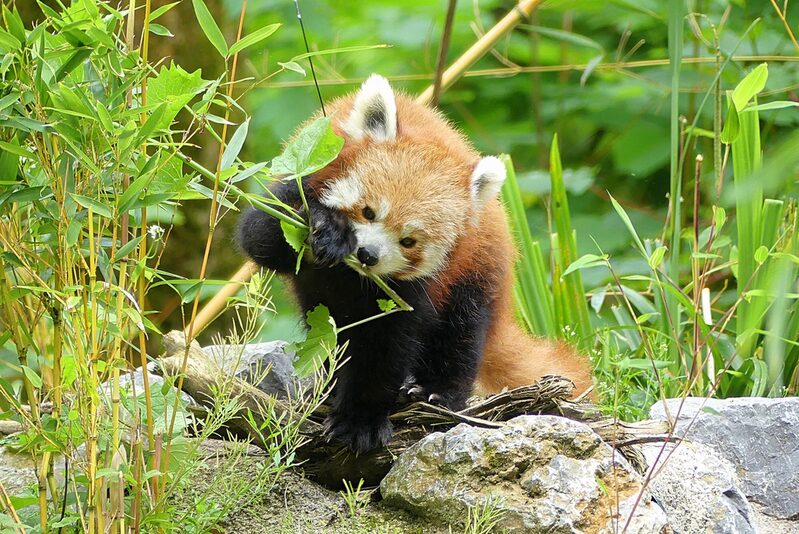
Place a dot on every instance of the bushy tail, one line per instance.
(513, 358)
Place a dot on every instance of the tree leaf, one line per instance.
(253, 38)
(312, 149)
(174, 87)
(209, 27)
(319, 342)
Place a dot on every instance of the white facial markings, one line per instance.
(382, 209)
(343, 193)
(376, 237)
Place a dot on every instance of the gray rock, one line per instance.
(134, 381)
(17, 471)
(543, 474)
(698, 489)
(759, 436)
(265, 365)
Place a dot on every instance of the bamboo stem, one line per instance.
(521, 11)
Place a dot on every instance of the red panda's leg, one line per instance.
(446, 371)
(380, 355)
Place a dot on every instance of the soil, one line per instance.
(298, 505)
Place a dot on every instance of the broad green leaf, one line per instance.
(295, 236)
(174, 87)
(209, 27)
(319, 343)
(90, 203)
(750, 86)
(253, 38)
(312, 149)
(235, 145)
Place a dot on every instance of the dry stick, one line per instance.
(442, 52)
(782, 15)
(580, 67)
(521, 11)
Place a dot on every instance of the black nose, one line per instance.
(367, 257)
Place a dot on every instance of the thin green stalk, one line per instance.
(673, 310)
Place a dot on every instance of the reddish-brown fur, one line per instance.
(483, 246)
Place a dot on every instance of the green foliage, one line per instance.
(319, 341)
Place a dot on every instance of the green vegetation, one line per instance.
(663, 240)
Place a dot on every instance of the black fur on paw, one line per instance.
(432, 394)
(359, 435)
(331, 237)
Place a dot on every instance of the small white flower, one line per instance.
(155, 232)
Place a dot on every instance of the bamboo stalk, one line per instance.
(519, 12)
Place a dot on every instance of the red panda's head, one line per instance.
(409, 183)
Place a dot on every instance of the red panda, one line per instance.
(418, 206)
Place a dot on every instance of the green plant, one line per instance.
(94, 169)
(354, 497)
(484, 517)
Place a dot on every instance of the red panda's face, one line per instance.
(408, 199)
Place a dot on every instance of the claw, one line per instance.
(435, 398)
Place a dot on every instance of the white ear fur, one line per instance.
(374, 113)
(487, 180)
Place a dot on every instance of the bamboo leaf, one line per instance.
(209, 27)
(90, 203)
(253, 38)
(235, 145)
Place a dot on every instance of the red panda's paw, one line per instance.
(331, 237)
(359, 435)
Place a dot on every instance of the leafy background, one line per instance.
(594, 72)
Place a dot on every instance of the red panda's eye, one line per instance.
(408, 242)
(368, 213)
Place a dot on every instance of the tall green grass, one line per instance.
(717, 311)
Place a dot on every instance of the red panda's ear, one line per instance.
(487, 179)
(374, 113)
